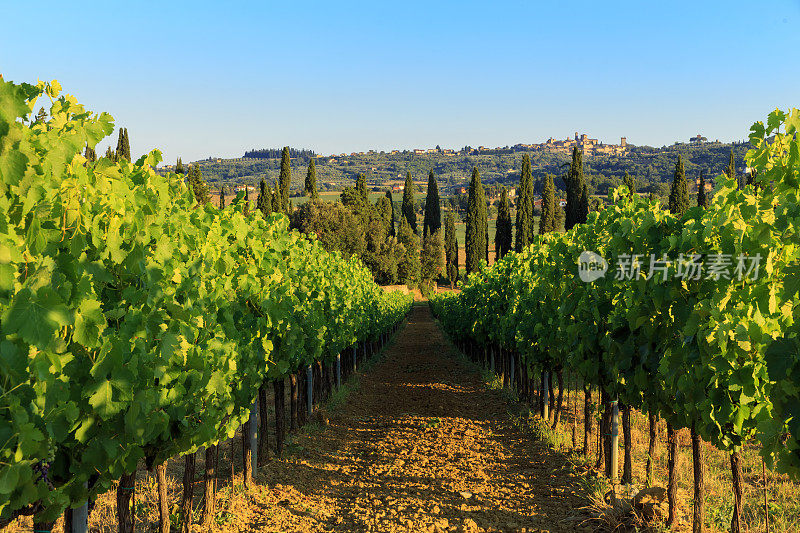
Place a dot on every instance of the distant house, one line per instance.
(419, 151)
(562, 203)
(697, 139)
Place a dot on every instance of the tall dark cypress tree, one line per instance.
(409, 265)
(198, 184)
(525, 199)
(630, 183)
(285, 180)
(276, 199)
(407, 207)
(731, 170)
(477, 247)
(179, 167)
(576, 211)
(702, 198)
(502, 233)
(451, 248)
(584, 202)
(391, 220)
(560, 218)
(679, 193)
(110, 154)
(90, 154)
(311, 180)
(433, 215)
(547, 222)
(264, 200)
(361, 187)
(120, 144)
(222, 197)
(126, 146)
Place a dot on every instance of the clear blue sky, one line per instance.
(216, 78)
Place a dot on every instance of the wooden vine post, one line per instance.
(699, 482)
(587, 418)
(672, 468)
(652, 422)
(560, 398)
(280, 415)
(293, 425)
(126, 490)
(163, 502)
(210, 486)
(309, 391)
(627, 464)
(188, 492)
(736, 475)
(338, 371)
(612, 468)
(263, 441)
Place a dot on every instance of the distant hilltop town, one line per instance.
(589, 146)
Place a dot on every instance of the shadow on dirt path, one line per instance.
(420, 445)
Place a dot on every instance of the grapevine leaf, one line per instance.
(9, 476)
(36, 318)
(101, 399)
(89, 321)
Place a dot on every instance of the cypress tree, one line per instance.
(451, 248)
(179, 167)
(547, 222)
(431, 266)
(311, 180)
(524, 219)
(383, 207)
(433, 215)
(198, 185)
(126, 146)
(702, 198)
(731, 170)
(264, 200)
(90, 154)
(120, 144)
(222, 197)
(408, 268)
(407, 207)
(502, 233)
(391, 220)
(477, 247)
(584, 202)
(111, 154)
(285, 180)
(276, 199)
(560, 218)
(679, 193)
(750, 179)
(630, 183)
(576, 211)
(361, 187)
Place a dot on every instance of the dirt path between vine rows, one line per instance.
(421, 445)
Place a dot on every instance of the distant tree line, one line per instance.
(274, 153)
(388, 239)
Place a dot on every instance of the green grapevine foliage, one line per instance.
(720, 352)
(134, 322)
